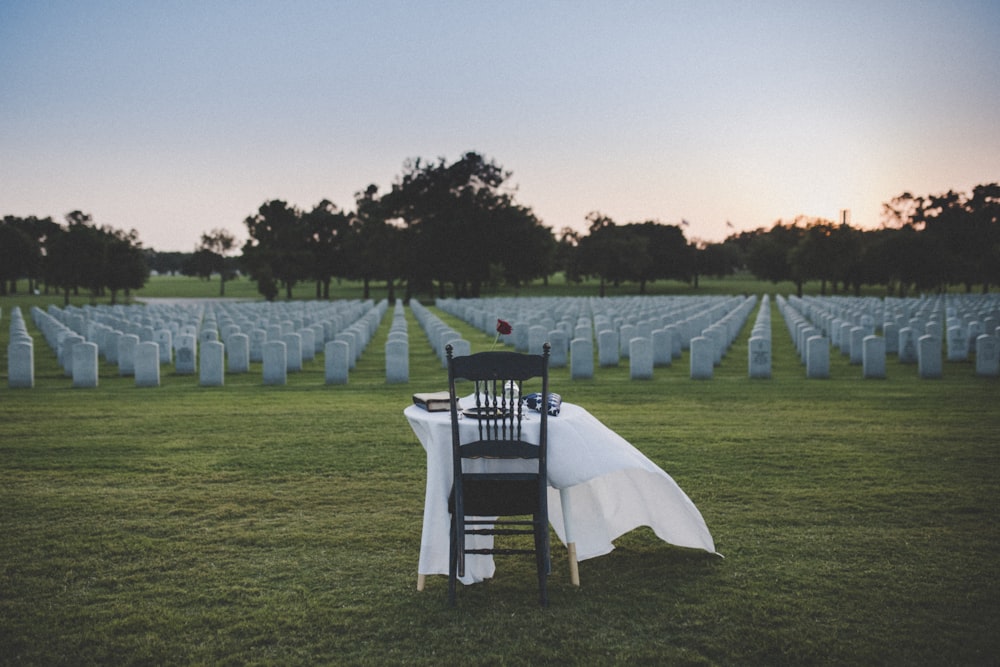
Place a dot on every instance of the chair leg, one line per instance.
(542, 562)
(453, 547)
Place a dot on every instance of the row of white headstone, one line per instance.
(649, 332)
(139, 339)
(911, 330)
(397, 348)
(20, 352)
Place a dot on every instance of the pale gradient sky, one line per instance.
(176, 117)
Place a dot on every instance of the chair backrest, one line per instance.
(498, 379)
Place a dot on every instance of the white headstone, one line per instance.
(718, 337)
(293, 347)
(111, 346)
(890, 332)
(66, 344)
(759, 357)
(625, 335)
(581, 358)
(211, 370)
(958, 344)
(607, 348)
(907, 345)
(147, 364)
(308, 343)
(126, 354)
(559, 345)
(238, 353)
(678, 345)
(186, 358)
(929, 357)
(337, 362)
(857, 345)
(21, 364)
(663, 347)
(845, 338)
(702, 358)
(257, 339)
(164, 338)
(351, 339)
(275, 363)
(536, 338)
(520, 335)
(873, 357)
(397, 361)
(85, 365)
(640, 354)
(987, 356)
(818, 357)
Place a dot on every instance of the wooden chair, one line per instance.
(498, 503)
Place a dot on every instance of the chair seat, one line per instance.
(494, 495)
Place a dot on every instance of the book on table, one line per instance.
(435, 401)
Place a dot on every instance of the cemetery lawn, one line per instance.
(281, 525)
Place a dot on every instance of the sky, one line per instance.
(177, 117)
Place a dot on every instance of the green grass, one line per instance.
(281, 525)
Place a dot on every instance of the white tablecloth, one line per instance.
(606, 487)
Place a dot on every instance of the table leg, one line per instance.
(421, 578)
(574, 566)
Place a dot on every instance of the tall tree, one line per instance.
(277, 249)
(326, 235)
(375, 246)
(768, 255)
(212, 253)
(16, 252)
(670, 255)
(127, 269)
(461, 220)
(612, 253)
(96, 259)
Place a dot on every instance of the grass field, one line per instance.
(280, 525)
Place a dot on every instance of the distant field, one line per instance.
(281, 525)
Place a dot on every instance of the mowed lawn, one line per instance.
(247, 524)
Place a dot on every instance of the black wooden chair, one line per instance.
(498, 503)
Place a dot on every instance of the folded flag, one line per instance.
(534, 402)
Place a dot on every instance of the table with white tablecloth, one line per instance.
(600, 487)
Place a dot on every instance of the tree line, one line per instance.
(457, 229)
(78, 255)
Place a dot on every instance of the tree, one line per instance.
(768, 255)
(277, 251)
(127, 269)
(670, 255)
(460, 221)
(211, 256)
(718, 259)
(813, 257)
(612, 253)
(75, 256)
(16, 252)
(375, 247)
(97, 259)
(326, 234)
(962, 229)
(567, 245)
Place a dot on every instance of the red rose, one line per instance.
(503, 327)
